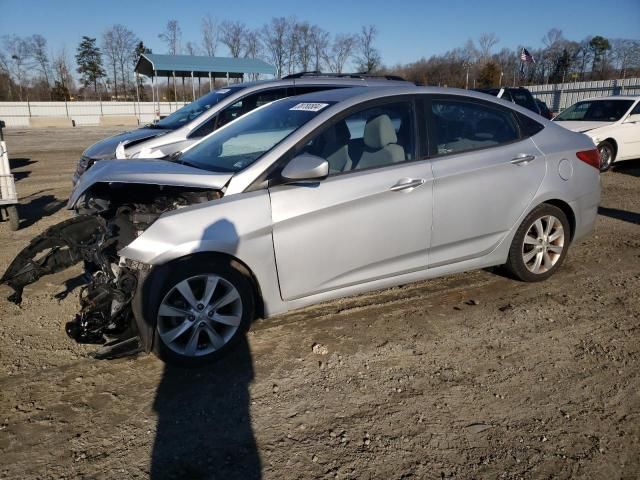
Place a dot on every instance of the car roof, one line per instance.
(351, 80)
(341, 94)
(611, 97)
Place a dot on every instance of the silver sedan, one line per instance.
(346, 191)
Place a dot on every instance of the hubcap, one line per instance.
(199, 315)
(605, 156)
(543, 244)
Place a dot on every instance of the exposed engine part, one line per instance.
(111, 217)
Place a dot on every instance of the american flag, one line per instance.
(526, 57)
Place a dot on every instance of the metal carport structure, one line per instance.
(155, 66)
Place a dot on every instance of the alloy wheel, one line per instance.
(606, 156)
(199, 315)
(543, 244)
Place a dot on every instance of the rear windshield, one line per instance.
(243, 141)
(196, 108)
(596, 111)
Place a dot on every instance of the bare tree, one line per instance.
(110, 50)
(252, 47)
(320, 44)
(486, 42)
(291, 43)
(251, 44)
(191, 48)
(341, 51)
(626, 54)
(209, 29)
(119, 46)
(38, 50)
(369, 56)
(172, 36)
(273, 38)
(232, 34)
(18, 58)
(62, 74)
(304, 46)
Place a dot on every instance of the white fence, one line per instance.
(562, 95)
(17, 114)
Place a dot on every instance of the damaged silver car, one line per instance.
(312, 198)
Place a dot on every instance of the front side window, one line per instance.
(194, 109)
(374, 137)
(460, 126)
(240, 144)
(636, 109)
(596, 111)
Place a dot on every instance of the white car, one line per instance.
(612, 122)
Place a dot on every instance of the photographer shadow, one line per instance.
(204, 420)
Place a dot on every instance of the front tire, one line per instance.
(607, 155)
(540, 244)
(204, 306)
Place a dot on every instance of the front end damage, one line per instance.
(109, 217)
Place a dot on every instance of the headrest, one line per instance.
(343, 135)
(379, 132)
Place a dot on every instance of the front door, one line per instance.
(369, 219)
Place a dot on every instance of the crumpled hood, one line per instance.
(153, 172)
(107, 148)
(581, 126)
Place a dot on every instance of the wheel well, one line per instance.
(613, 144)
(567, 210)
(240, 265)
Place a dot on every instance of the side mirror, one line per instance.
(305, 167)
(633, 118)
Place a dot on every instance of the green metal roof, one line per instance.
(184, 65)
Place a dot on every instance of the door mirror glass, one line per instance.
(633, 118)
(306, 167)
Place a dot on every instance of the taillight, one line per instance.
(592, 157)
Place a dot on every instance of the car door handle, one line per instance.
(522, 159)
(407, 183)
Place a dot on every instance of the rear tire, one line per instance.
(540, 244)
(607, 155)
(203, 308)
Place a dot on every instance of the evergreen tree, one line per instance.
(89, 59)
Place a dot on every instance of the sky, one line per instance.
(408, 30)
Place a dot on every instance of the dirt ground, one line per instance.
(468, 376)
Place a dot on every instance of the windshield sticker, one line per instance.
(310, 107)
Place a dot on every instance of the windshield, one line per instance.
(245, 140)
(194, 109)
(596, 111)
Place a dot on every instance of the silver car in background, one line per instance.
(321, 196)
(189, 124)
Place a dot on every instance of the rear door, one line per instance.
(485, 176)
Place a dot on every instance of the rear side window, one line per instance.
(461, 126)
(528, 126)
